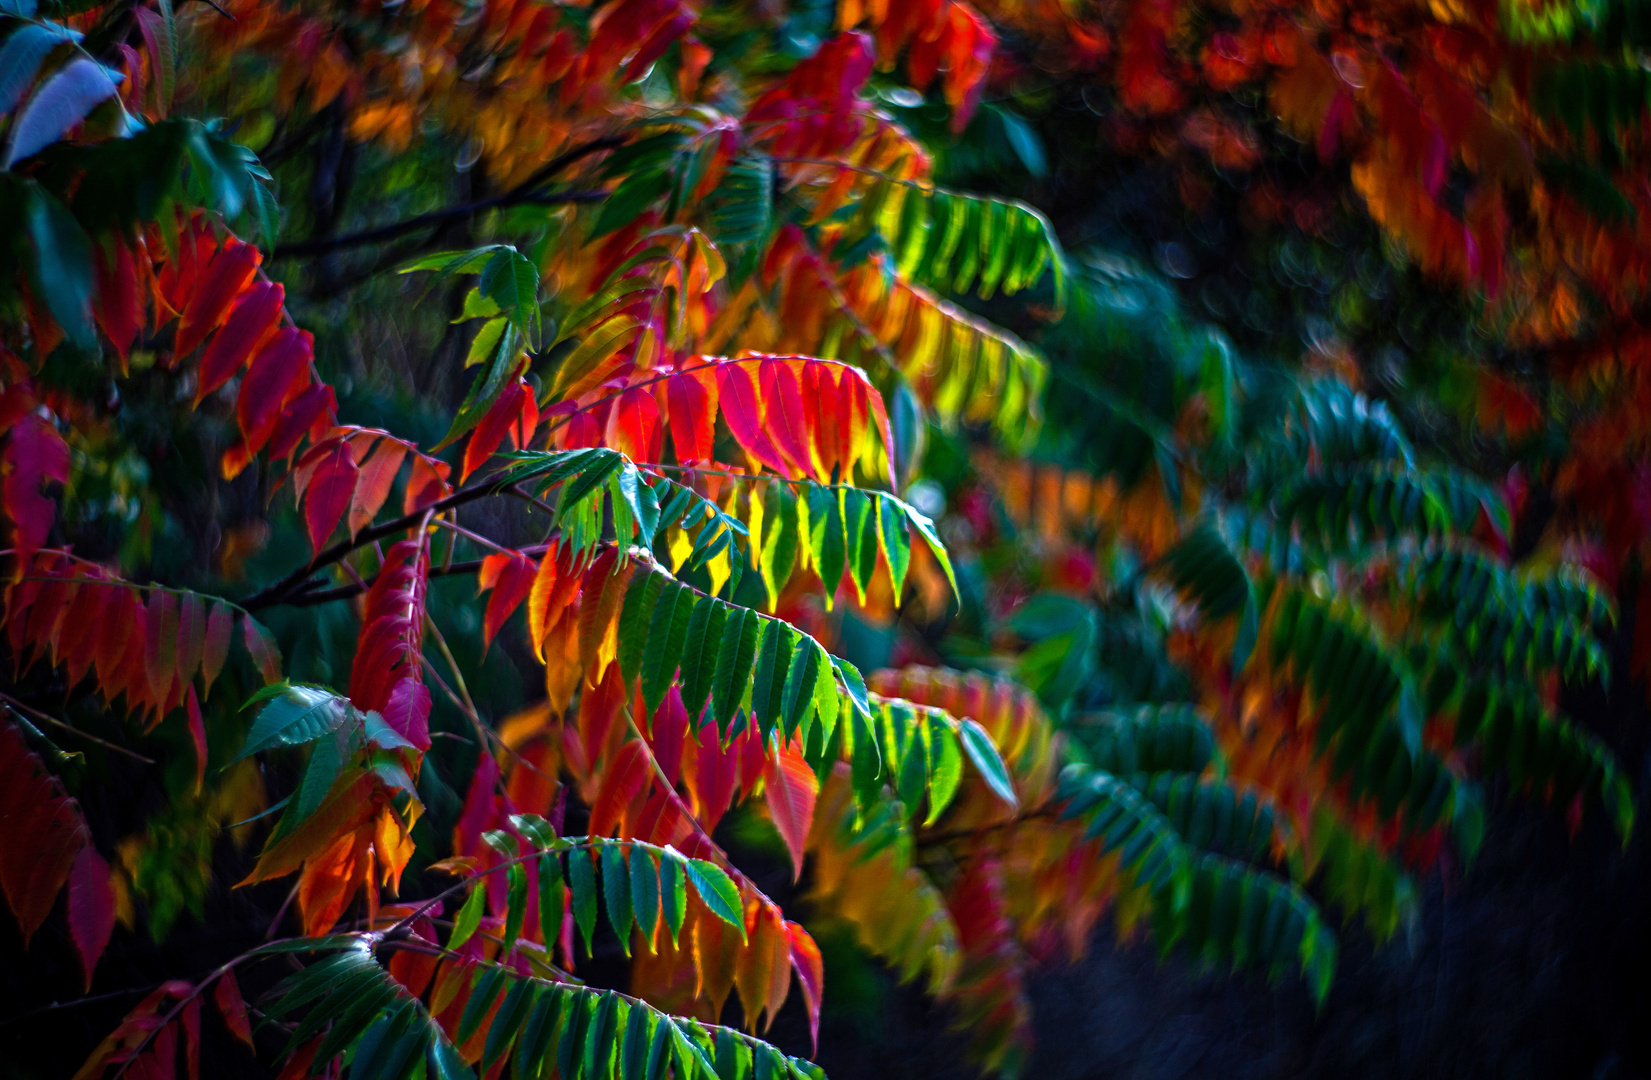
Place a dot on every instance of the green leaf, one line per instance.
(673, 892)
(570, 1049)
(925, 528)
(860, 522)
(599, 1037)
(511, 281)
(582, 877)
(983, 753)
(297, 715)
(469, 917)
(645, 888)
(629, 199)
(62, 269)
(507, 1022)
(945, 771)
(773, 665)
(736, 652)
(641, 601)
(517, 894)
(552, 895)
(633, 1055)
(616, 893)
(827, 540)
(896, 540)
(718, 892)
(667, 633)
(798, 694)
(700, 654)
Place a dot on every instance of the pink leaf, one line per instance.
(91, 907)
(265, 653)
(215, 649)
(34, 454)
(408, 712)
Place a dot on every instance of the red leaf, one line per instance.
(810, 968)
(265, 653)
(634, 424)
(91, 908)
(511, 579)
(161, 635)
(34, 453)
(191, 635)
(232, 1007)
(408, 711)
(742, 406)
(304, 412)
(277, 373)
(504, 414)
(786, 416)
(119, 307)
(691, 400)
(624, 781)
(215, 647)
(256, 316)
(217, 288)
(330, 492)
(378, 474)
(197, 735)
(791, 786)
(823, 390)
(41, 833)
(716, 774)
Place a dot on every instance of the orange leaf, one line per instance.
(791, 788)
(373, 487)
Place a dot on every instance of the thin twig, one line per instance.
(55, 722)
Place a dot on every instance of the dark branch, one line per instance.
(356, 588)
(303, 581)
(525, 193)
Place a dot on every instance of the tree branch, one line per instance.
(524, 193)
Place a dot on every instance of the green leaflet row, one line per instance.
(735, 662)
(541, 1028)
(635, 884)
(840, 527)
